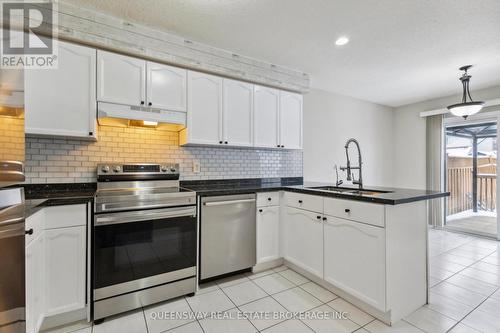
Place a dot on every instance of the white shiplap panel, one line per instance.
(108, 32)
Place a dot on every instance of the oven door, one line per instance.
(141, 249)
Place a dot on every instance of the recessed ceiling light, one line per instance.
(341, 41)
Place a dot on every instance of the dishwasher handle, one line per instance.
(227, 202)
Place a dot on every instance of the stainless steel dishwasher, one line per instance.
(227, 234)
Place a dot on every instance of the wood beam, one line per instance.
(111, 33)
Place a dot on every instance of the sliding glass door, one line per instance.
(471, 177)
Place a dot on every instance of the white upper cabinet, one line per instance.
(237, 113)
(266, 117)
(204, 119)
(290, 120)
(166, 87)
(62, 101)
(121, 79)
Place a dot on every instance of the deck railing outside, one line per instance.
(459, 184)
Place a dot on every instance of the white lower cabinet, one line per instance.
(65, 269)
(268, 227)
(35, 292)
(354, 259)
(303, 240)
(56, 265)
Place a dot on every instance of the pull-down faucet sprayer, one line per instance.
(349, 168)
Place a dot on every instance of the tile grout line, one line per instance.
(236, 306)
(468, 266)
(145, 320)
(487, 298)
(196, 316)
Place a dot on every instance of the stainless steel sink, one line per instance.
(348, 190)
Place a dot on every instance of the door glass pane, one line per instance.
(471, 162)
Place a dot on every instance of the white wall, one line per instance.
(329, 120)
(410, 137)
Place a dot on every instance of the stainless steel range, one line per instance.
(144, 237)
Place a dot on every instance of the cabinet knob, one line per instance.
(269, 199)
(347, 210)
(225, 142)
(278, 146)
(260, 210)
(142, 102)
(318, 217)
(220, 142)
(29, 232)
(150, 103)
(282, 146)
(300, 201)
(324, 218)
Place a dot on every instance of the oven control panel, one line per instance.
(137, 169)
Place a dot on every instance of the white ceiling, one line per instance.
(401, 51)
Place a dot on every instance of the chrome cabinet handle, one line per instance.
(229, 202)
(117, 218)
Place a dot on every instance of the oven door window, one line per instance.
(134, 250)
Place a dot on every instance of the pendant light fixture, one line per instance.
(465, 108)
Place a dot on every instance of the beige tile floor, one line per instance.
(465, 297)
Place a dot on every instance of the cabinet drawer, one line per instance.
(368, 213)
(266, 199)
(304, 201)
(65, 216)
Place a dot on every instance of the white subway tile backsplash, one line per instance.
(69, 160)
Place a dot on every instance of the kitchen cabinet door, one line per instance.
(62, 101)
(65, 251)
(238, 113)
(355, 259)
(268, 228)
(204, 118)
(121, 79)
(35, 278)
(166, 87)
(266, 117)
(290, 120)
(304, 240)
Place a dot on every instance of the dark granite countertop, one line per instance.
(389, 196)
(38, 196)
(44, 195)
(239, 186)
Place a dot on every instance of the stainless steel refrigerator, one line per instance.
(12, 227)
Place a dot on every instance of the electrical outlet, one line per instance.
(196, 166)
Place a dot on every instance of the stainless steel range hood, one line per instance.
(125, 115)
